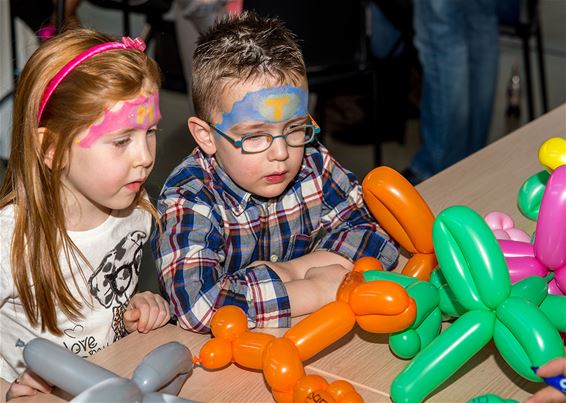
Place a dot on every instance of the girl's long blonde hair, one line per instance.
(34, 189)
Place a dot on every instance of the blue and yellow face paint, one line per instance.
(269, 105)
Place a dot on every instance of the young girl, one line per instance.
(73, 212)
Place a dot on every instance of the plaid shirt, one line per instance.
(213, 230)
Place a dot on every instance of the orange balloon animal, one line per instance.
(377, 306)
(402, 212)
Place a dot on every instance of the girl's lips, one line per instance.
(276, 178)
(134, 186)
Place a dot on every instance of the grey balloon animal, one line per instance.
(158, 377)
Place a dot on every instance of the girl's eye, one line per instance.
(121, 143)
(152, 131)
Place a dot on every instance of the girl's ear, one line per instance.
(203, 134)
(42, 134)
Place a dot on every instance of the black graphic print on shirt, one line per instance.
(79, 344)
(112, 280)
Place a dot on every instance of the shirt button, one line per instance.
(274, 258)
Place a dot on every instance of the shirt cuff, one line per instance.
(357, 243)
(268, 301)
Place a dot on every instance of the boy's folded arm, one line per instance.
(364, 239)
(295, 269)
(191, 270)
(350, 230)
(258, 291)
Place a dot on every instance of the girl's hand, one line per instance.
(146, 311)
(27, 384)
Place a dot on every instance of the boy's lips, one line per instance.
(276, 177)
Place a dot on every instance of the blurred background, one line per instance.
(365, 78)
(364, 72)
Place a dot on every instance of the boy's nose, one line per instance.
(278, 149)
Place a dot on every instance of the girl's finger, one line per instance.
(28, 378)
(19, 390)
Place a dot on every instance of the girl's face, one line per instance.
(110, 160)
(261, 107)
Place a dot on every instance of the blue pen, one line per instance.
(557, 382)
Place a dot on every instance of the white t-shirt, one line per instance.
(114, 250)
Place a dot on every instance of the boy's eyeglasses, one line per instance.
(294, 136)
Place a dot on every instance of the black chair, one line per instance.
(334, 41)
(525, 23)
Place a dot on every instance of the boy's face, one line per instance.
(261, 107)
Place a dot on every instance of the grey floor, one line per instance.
(174, 141)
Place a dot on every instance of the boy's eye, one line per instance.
(152, 131)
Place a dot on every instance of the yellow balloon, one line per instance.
(552, 153)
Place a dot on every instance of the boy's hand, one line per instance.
(317, 289)
(296, 269)
(146, 311)
(27, 384)
(327, 280)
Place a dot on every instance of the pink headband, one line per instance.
(127, 43)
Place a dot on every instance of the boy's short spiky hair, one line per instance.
(239, 48)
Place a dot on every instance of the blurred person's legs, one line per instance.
(193, 17)
(483, 53)
(457, 43)
(386, 40)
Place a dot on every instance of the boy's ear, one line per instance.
(203, 134)
(41, 137)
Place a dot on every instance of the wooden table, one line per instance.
(486, 181)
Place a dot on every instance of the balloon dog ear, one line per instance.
(402, 212)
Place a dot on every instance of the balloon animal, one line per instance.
(402, 213)
(475, 285)
(165, 369)
(551, 154)
(490, 398)
(548, 252)
(377, 306)
(503, 227)
(407, 342)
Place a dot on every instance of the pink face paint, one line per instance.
(141, 113)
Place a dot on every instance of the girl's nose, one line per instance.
(144, 153)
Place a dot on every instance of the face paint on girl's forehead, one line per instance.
(141, 113)
(268, 105)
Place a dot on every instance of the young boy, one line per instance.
(259, 215)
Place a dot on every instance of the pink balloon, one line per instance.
(517, 234)
(516, 248)
(503, 227)
(560, 279)
(548, 253)
(499, 220)
(522, 262)
(554, 289)
(525, 266)
(500, 234)
(550, 239)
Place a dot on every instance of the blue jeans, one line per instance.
(457, 42)
(384, 35)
